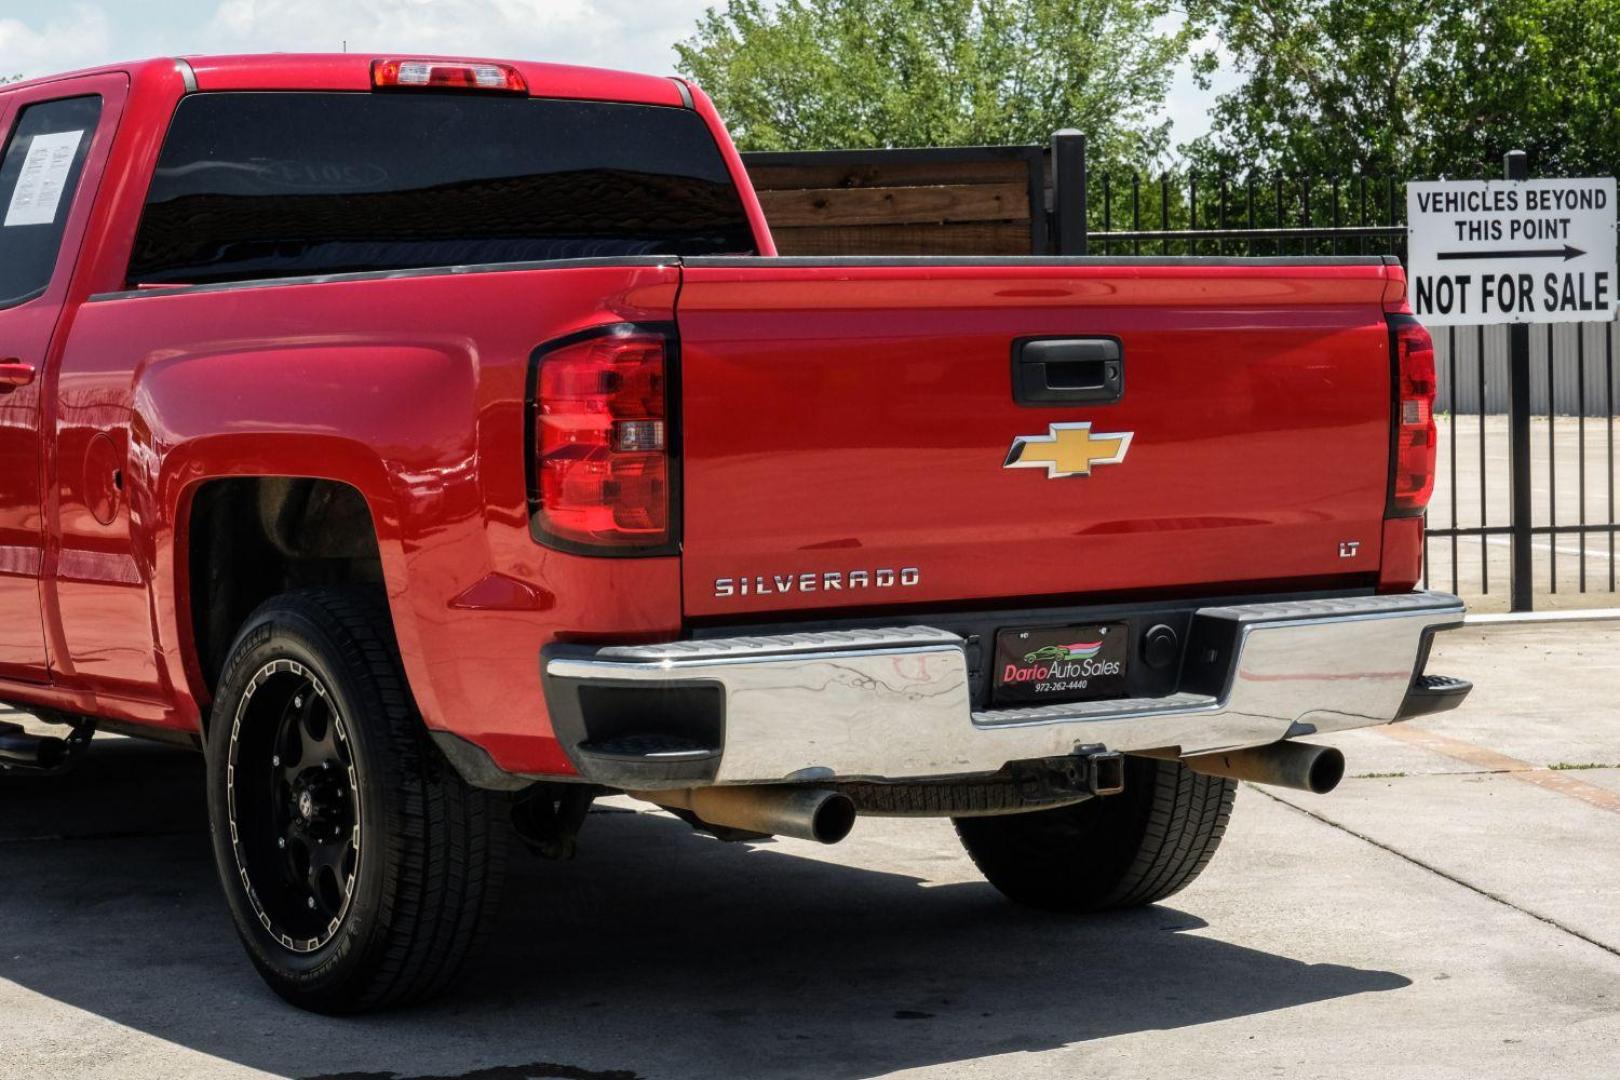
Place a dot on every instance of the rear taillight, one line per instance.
(1412, 470)
(600, 471)
(446, 75)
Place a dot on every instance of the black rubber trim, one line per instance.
(672, 437)
(630, 773)
(685, 92)
(474, 763)
(1434, 694)
(385, 275)
(25, 298)
(1425, 697)
(619, 770)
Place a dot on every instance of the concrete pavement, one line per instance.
(1434, 917)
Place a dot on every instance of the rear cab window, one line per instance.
(254, 185)
(39, 175)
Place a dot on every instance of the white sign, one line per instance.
(1505, 251)
(44, 175)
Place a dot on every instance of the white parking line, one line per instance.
(1542, 545)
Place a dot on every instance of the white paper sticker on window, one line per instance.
(44, 175)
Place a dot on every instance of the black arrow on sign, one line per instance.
(1566, 254)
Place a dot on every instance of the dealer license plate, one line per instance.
(1056, 664)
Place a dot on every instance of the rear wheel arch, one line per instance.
(246, 539)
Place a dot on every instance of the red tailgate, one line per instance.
(847, 428)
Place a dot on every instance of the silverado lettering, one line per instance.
(439, 477)
(810, 581)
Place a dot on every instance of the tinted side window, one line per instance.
(38, 176)
(262, 185)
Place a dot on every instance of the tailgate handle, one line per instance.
(1054, 371)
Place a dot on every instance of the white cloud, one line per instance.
(75, 37)
(632, 34)
(1187, 105)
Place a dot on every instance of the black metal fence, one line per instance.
(1192, 213)
(1269, 215)
(1524, 513)
(1567, 518)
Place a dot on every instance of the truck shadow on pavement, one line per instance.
(656, 953)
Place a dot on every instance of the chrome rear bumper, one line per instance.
(897, 704)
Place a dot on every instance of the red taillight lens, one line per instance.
(447, 75)
(602, 465)
(1412, 481)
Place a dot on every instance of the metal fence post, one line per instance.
(1516, 166)
(1069, 191)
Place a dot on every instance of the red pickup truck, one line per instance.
(440, 444)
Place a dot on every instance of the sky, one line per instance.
(40, 38)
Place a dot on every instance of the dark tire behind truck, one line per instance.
(1124, 850)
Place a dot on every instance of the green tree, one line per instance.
(818, 74)
(1541, 76)
(1412, 87)
(1328, 85)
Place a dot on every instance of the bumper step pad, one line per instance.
(1434, 694)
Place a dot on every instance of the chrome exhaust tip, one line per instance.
(1301, 766)
(806, 813)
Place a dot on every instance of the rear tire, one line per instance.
(1115, 851)
(359, 867)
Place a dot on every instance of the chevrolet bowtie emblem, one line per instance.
(1067, 450)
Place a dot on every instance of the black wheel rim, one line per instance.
(292, 792)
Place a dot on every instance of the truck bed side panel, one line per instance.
(410, 389)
